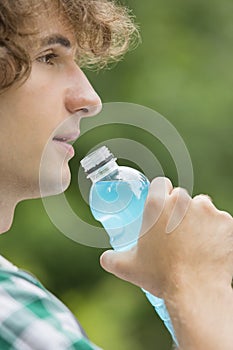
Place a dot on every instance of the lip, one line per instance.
(66, 137)
(62, 141)
(65, 147)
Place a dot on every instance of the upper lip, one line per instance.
(66, 137)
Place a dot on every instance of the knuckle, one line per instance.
(168, 181)
(161, 180)
(180, 194)
(204, 202)
(202, 198)
(226, 216)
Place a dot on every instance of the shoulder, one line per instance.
(33, 318)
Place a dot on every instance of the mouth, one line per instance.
(65, 142)
(68, 138)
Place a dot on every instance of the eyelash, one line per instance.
(47, 59)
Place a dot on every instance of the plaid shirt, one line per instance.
(32, 318)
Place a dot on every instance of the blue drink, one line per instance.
(119, 205)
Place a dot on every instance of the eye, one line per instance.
(48, 58)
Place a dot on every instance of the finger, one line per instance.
(118, 263)
(160, 188)
(225, 215)
(203, 197)
(179, 202)
(159, 191)
(204, 202)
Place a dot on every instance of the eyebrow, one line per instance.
(55, 39)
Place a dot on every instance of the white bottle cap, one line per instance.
(96, 159)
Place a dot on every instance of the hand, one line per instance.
(185, 256)
(183, 242)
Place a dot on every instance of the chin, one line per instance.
(55, 183)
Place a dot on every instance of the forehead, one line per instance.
(55, 32)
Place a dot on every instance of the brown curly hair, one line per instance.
(104, 31)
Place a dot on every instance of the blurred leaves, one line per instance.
(183, 70)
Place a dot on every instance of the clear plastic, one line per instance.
(117, 198)
(117, 201)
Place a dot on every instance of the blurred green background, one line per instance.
(183, 70)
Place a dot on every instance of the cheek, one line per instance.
(30, 114)
(38, 118)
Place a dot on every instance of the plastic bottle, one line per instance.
(117, 199)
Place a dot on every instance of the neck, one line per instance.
(7, 208)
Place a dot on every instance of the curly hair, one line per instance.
(104, 31)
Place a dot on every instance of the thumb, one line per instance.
(118, 263)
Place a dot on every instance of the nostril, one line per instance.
(84, 110)
(90, 110)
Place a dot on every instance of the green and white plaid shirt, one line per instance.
(32, 318)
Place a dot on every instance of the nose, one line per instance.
(80, 97)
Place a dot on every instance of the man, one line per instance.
(44, 94)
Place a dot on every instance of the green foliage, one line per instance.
(114, 315)
(183, 70)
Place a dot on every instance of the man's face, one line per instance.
(44, 111)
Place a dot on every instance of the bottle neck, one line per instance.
(103, 171)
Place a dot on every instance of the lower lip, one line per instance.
(66, 146)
